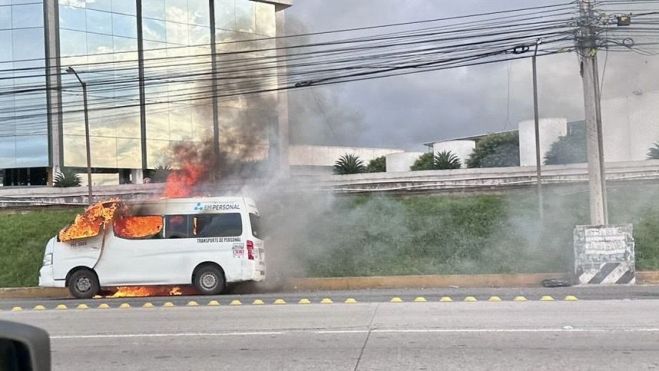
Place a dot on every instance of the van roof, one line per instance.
(191, 200)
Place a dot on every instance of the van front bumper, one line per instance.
(47, 278)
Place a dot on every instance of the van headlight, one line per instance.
(48, 259)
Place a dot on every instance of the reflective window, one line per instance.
(123, 25)
(5, 17)
(153, 9)
(225, 14)
(265, 19)
(99, 22)
(218, 225)
(153, 30)
(30, 36)
(245, 16)
(24, 16)
(124, 6)
(198, 12)
(72, 18)
(6, 46)
(105, 5)
(73, 42)
(31, 151)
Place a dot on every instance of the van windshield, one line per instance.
(255, 222)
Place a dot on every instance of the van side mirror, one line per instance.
(23, 347)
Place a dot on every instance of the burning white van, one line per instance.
(206, 242)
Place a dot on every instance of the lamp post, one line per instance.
(89, 161)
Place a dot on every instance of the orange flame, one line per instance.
(138, 226)
(180, 183)
(141, 291)
(89, 223)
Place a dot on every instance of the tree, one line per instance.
(496, 150)
(159, 174)
(349, 164)
(66, 178)
(425, 162)
(377, 165)
(446, 160)
(653, 152)
(568, 149)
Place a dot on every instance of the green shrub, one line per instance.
(425, 162)
(349, 164)
(377, 165)
(66, 177)
(446, 160)
(496, 150)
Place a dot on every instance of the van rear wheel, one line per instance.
(83, 284)
(209, 280)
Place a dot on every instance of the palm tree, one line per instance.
(653, 152)
(446, 160)
(66, 178)
(349, 164)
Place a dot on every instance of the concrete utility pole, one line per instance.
(595, 155)
(536, 117)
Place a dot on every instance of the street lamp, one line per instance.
(89, 161)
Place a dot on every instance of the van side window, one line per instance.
(138, 227)
(177, 226)
(255, 221)
(218, 225)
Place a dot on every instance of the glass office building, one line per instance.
(137, 58)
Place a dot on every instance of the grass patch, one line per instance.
(24, 237)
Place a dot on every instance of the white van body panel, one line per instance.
(123, 262)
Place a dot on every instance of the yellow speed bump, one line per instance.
(446, 299)
(279, 301)
(192, 303)
(304, 301)
(570, 298)
(396, 299)
(213, 303)
(235, 302)
(546, 298)
(61, 307)
(147, 305)
(470, 299)
(16, 309)
(494, 299)
(82, 306)
(103, 306)
(124, 306)
(258, 302)
(326, 301)
(350, 301)
(168, 304)
(420, 299)
(39, 307)
(520, 298)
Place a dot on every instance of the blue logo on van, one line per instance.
(216, 207)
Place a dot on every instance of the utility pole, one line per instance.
(587, 48)
(536, 117)
(89, 161)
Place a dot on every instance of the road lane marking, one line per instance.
(160, 335)
(304, 301)
(446, 299)
(350, 301)
(358, 331)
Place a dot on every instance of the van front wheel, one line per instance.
(83, 284)
(208, 280)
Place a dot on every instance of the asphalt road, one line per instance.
(585, 334)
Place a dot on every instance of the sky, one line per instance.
(407, 111)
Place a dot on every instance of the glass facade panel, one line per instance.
(27, 16)
(72, 18)
(99, 22)
(99, 39)
(5, 17)
(177, 62)
(245, 17)
(265, 19)
(23, 120)
(105, 49)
